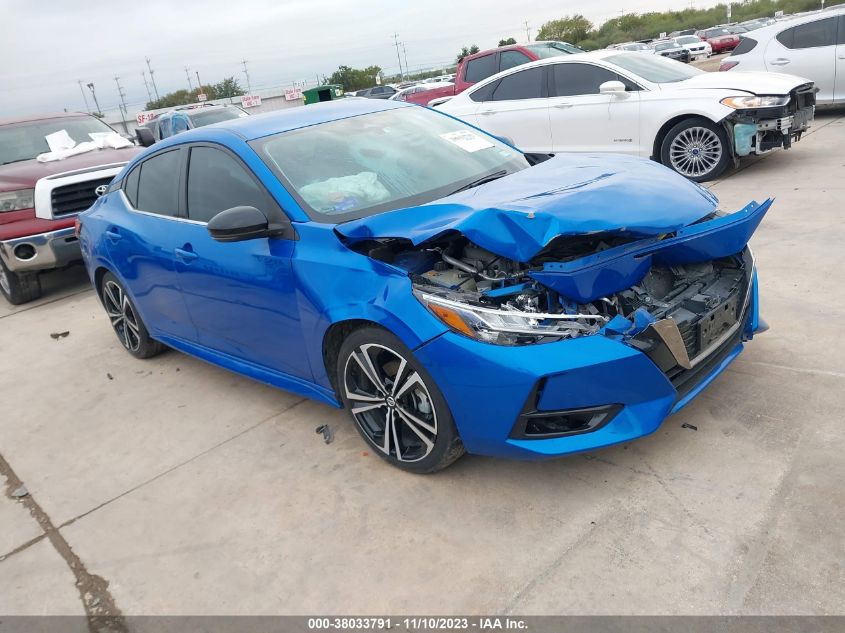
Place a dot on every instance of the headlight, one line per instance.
(740, 103)
(14, 200)
(505, 327)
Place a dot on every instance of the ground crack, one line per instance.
(103, 614)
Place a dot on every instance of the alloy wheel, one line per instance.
(390, 402)
(123, 318)
(695, 151)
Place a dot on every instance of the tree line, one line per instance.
(229, 87)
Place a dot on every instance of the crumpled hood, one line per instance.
(761, 83)
(570, 194)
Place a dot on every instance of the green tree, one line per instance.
(229, 87)
(570, 29)
(467, 51)
(355, 78)
(507, 42)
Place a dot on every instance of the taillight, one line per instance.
(727, 66)
(77, 227)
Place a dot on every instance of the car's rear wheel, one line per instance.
(395, 404)
(19, 288)
(696, 148)
(125, 321)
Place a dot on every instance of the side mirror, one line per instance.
(612, 88)
(145, 136)
(242, 223)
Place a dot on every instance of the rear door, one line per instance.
(141, 243)
(839, 83)
(517, 107)
(807, 50)
(584, 120)
(240, 295)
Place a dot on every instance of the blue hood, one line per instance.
(570, 194)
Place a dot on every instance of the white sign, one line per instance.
(466, 140)
(300, 83)
(145, 117)
(250, 101)
(292, 94)
(202, 96)
(779, 14)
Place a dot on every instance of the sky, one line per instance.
(47, 46)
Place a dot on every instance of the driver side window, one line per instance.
(216, 182)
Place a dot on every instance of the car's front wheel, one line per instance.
(125, 321)
(394, 402)
(696, 148)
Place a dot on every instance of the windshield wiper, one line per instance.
(480, 181)
(17, 160)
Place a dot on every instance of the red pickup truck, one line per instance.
(39, 201)
(720, 39)
(473, 68)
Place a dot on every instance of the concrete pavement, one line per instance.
(172, 487)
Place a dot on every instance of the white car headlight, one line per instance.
(16, 200)
(740, 103)
(506, 327)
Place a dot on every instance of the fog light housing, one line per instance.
(534, 424)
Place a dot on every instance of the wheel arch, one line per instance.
(333, 338)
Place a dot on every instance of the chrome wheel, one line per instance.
(390, 402)
(123, 318)
(4, 282)
(695, 151)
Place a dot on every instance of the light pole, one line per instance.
(96, 103)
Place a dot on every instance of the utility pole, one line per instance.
(405, 53)
(527, 31)
(94, 94)
(152, 78)
(246, 72)
(199, 85)
(188, 75)
(84, 98)
(123, 111)
(146, 85)
(396, 42)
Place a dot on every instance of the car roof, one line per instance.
(782, 25)
(265, 124)
(42, 117)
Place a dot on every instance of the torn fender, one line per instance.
(570, 194)
(589, 278)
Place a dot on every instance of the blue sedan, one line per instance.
(451, 292)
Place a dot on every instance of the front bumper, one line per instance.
(762, 130)
(489, 388)
(41, 252)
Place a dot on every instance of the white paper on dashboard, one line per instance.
(466, 140)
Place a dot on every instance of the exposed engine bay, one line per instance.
(496, 299)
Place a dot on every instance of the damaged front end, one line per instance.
(761, 124)
(677, 297)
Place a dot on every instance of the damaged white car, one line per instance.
(695, 122)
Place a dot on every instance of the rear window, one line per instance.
(746, 44)
(526, 84)
(480, 68)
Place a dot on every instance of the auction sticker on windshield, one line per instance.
(467, 141)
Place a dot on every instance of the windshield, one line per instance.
(25, 141)
(368, 164)
(553, 49)
(664, 45)
(659, 70)
(635, 47)
(716, 32)
(207, 117)
(688, 39)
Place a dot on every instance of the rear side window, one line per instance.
(485, 93)
(525, 84)
(158, 187)
(512, 59)
(480, 68)
(746, 44)
(810, 35)
(584, 79)
(130, 186)
(216, 182)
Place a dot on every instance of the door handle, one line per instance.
(487, 112)
(841, 56)
(185, 256)
(780, 61)
(113, 236)
(563, 105)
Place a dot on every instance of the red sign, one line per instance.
(250, 101)
(145, 117)
(291, 94)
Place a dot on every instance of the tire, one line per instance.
(125, 321)
(19, 288)
(697, 149)
(406, 421)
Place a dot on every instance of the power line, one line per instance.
(152, 78)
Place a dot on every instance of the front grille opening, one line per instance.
(76, 197)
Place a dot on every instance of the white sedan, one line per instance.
(695, 122)
(812, 45)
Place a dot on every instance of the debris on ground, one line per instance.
(689, 426)
(57, 335)
(326, 430)
(110, 377)
(20, 492)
